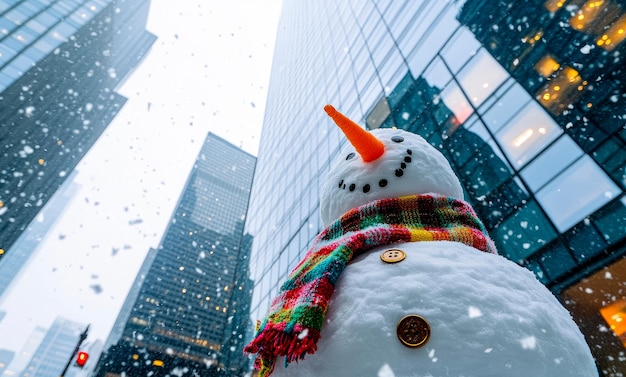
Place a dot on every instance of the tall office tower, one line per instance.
(27, 244)
(189, 302)
(6, 356)
(21, 359)
(55, 349)
(525, 100)
(60, 64)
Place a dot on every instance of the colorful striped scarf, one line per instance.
(292, 327)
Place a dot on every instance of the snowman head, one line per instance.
(383, 163)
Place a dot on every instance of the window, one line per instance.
(575, 193)
(527, 134)
(481, 77)
(551, 162)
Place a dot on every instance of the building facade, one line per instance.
(27, 244)
(55, 349)
(527, 102)
(186, 307)
(60, 64)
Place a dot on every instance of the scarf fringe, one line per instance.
(271, 343)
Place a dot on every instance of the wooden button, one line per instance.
(413, 331)
(393, 256)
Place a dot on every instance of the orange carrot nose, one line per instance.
(366, 144)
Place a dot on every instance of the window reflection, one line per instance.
(550, 162)
(575, 193)
(506, 107)
(455, 100)
(481, 77)
(527, 134)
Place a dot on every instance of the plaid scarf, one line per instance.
(292, 327)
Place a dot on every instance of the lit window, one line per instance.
(527, 134)
(614, 35)
(553, 5)
(577, 192)
(547, 66)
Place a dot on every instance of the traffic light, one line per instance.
(81, 359)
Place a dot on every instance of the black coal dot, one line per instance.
(352, 187)
(408, 151)
(407, 159)
(366, 188)
(341, 183)
(399, 172)
(403, 165)
(397, 139)
(382, 183)
(344, 186)
(350, 156)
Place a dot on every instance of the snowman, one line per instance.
(405, 281)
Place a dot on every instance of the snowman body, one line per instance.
(488, 317)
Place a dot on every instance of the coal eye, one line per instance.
(397, 139)
(350, 156)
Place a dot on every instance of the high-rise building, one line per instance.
(55, 349)
(526, 100)
(195, 296)
(26, 353)
(6, 356)
(60, 64)
(27, 244)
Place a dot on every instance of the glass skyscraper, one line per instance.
(526, 100)
(61, 62)
(191, 309)
(55, 349)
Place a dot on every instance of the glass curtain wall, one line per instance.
(525, 101)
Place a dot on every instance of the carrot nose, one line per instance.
(366, 144)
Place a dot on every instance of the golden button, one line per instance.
(413, 331)
(393, 256)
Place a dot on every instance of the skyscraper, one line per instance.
(60, 64)
(525, 100)
(24, 356)
(187, 306)
(55, 349)
(28, 242)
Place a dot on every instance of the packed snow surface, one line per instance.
(489, 317)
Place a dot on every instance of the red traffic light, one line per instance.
(81, 359)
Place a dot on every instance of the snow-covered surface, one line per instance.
(425, 170)
(488, 317)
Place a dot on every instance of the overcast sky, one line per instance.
(207, 71)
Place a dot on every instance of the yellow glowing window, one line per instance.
(157, 363)
(615, 317)
(585, 16)
(547, 66)
(554, 5)
(135, 356)
(614, 35)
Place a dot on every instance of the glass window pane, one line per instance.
(578, 191)
(527, 134)
(481, 77)
(513, 100)
(524, 233)
(455, 100)
(551, 162)
(462, 46)
(437, 75)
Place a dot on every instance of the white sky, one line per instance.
(208, 71)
